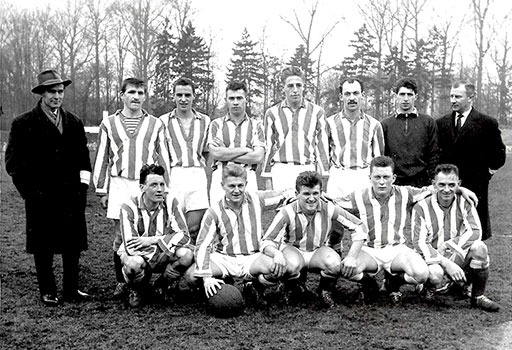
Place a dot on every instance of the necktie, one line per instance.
(458, 124)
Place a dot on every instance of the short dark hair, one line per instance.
(291, 71)
(409, 83)
(133, 81)
(150, 169)
(234, 170)
(184, 81)
(382, 162)
(447, 169)
(470, 87)
(350, 81)
(235, 85)
(308, 179)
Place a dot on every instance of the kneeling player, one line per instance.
(228, 241)
(299, 234)
(447, 233)
(155, 236)
(386, 211)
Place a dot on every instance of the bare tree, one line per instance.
(306, 35)
(378, 16)
(97, 17)
(71, 40)
(483, 39)
(501, 58)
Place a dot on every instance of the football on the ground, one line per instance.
(228, 302)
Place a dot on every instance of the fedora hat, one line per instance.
(48, 78)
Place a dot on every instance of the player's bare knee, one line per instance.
(185, 256)
(293, 267)
(436, 274)
(134, 263)
(189, 276)
(332, 265)
(479, 250)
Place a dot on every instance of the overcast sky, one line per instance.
(224, 20)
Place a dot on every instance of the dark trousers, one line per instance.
(46, 277)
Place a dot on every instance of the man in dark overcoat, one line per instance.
(48, 159)
(472, 141)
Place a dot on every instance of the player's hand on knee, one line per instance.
(455, 272)
(348, 266)
(212, 285)
(278, 267)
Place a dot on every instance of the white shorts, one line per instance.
(385, 256)
(305, 255)
(189, 186)
(216, 190)
(342, 182)
(121, 190)
(284, 175)
(235, 266)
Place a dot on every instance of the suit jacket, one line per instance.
(477, 148)
(45, 167)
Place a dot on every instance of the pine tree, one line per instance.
(185, 56)
(246, 66)
(302, 60)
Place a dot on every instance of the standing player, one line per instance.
(186, 131)
(411, 138)
(155, 236)
(476, 149)
(235, 138)
(447, 233)
(298, 237)
(355, 138)
(295, 134)
(229, 240)
(127, 139)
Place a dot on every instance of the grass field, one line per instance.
(446, 323)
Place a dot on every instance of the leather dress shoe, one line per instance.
(49, 299)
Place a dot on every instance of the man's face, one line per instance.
(446, 186)
(308, 198)
(133, 97)
(293, 89)
(53, 96)
(460, 100)
(234, 188)
(183, 97)
(351, 96)
(154, 188)
(405, 99)
(382, 178)
(235, 100)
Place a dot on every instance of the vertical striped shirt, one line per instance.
(353, 145)
(230, 232)
(121, 153)
(249, 133)
(167, 222)
(456, 227)
(296, 137)
(389, 221)
(291, 226)
(186, 150)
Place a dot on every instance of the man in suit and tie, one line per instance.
(472, 141)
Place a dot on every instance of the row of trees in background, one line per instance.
(97, 43)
